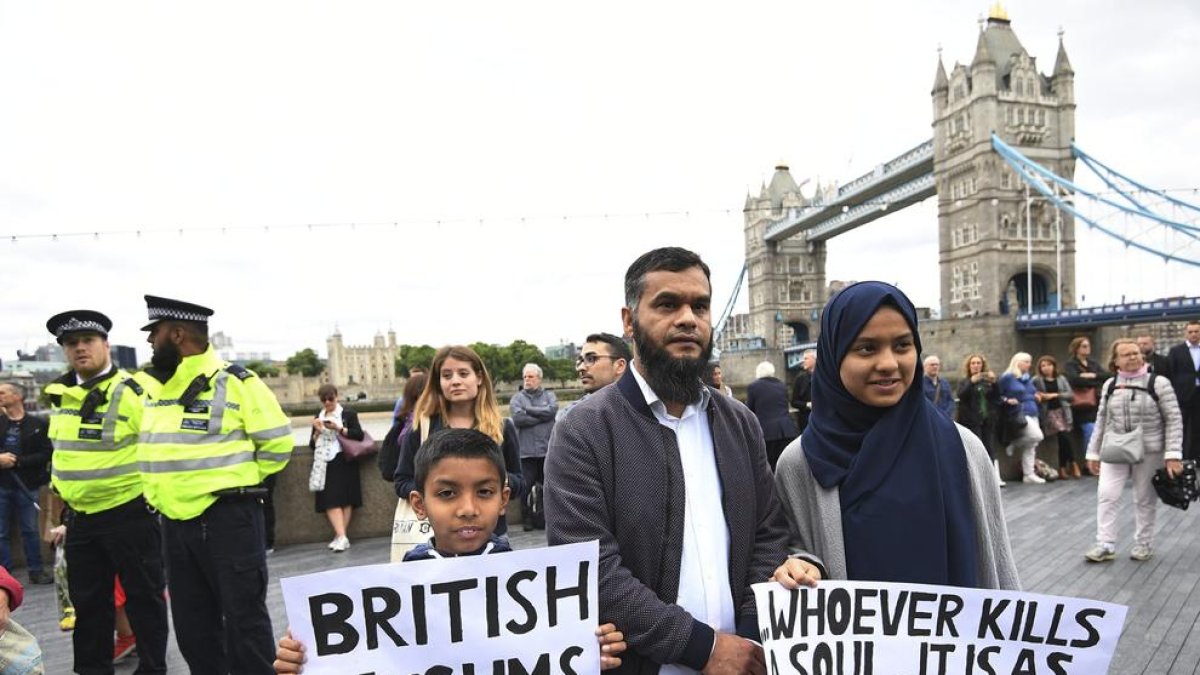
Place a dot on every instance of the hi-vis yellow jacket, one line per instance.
(94, 428)
(212, 426)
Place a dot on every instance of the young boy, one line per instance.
(462, 492)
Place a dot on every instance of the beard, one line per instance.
(674, 379)
(166, 358)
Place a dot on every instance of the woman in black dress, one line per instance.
(340, 491)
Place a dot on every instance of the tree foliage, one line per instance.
(411, 355)
(306, 363)
(263, 369)
(504, 362)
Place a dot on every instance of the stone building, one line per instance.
(982, 217)
(982, 208)
(787, 278)
(367, 366)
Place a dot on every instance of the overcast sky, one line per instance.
(478, 146)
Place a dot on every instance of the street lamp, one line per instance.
(1029, 248)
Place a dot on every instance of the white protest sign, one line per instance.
(873, 628)
(532, 611)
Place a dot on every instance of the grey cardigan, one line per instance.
(1162, 424)
(1065, 395)
(613, 473)
(815, 514)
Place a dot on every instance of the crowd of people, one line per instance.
(829, 480)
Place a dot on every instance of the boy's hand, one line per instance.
(794, 573)
(612, 643)
(289, 657)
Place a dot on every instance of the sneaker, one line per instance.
(340, 544)
(270, 551)
(1100, 553)
(1034, 479)
(67, 623)
(333, 544)
(1141, 552)
(41, 578)
(124, 646)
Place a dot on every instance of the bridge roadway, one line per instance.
(893, 185)
(1051, 526)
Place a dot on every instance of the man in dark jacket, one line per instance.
(766, 397)
(1183, 361)
(24, 462)
(533, 410)
(673, 481)
(802, 389)
(1155, 361)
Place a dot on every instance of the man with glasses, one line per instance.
(601, 362)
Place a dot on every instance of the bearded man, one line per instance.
(673, 481)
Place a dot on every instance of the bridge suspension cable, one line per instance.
(1055, 188)
(737, 289)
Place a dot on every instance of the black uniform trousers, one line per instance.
(124, 541)
(217, 569)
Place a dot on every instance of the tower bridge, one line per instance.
(1001, 252)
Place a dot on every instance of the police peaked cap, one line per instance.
(166, 309)
(78, 321)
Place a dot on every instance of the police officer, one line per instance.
(96, 413)
(209, 439)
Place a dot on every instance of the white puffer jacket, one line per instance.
(1128, 408)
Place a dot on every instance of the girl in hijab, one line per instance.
(882, 486)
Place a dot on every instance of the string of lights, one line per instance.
(162, 230)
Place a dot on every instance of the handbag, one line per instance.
(1122, 447)
(356, 450)
(1014, 424)
(1056, 422)
(1085, 398)
(408, 530)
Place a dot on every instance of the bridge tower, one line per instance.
(982, 207)
(786, 278)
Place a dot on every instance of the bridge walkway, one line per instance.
(1051, 527)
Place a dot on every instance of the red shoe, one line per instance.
(124, 646)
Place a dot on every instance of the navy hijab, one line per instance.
(901, 471)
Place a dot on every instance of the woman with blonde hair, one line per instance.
(1140, 401)
(459, 395)
(1021, 427)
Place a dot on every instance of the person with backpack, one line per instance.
(1138, 429)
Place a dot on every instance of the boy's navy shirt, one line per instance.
(429, 551)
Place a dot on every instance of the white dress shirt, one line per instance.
(704, 567)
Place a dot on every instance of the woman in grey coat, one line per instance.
(1135, 400)
(1054, 398)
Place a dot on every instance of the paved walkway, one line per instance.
(1051, 527)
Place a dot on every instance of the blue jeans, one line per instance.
(14, 498)
(1086, 429)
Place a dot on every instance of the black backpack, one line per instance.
(389, 452)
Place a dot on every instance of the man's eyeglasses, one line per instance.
(591, 358)
(328, 398)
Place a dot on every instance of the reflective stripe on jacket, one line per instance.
(95, 461)
(232, 434)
